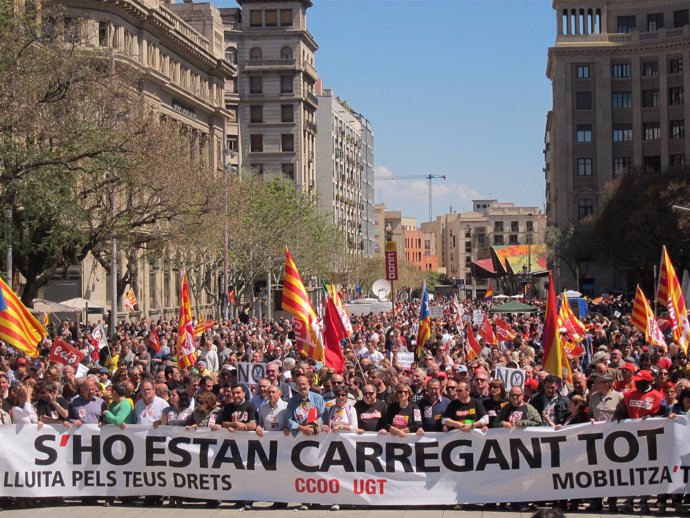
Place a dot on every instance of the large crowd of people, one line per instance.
(619, 376)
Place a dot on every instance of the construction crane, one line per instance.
(428, 177)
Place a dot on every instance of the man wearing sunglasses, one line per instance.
(370, 410)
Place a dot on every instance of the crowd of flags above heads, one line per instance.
(320, 338)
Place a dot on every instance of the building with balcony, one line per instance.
(275, 86)
(178, 51)
(618, 77)
(339, 167)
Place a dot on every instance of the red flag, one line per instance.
(333, 332)
(472, 346)
(504, 331)
(486, 331)
(64, 353)
(154, 341)
(231, 297)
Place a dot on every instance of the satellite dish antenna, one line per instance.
(381, 288)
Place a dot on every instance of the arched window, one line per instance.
(231, 55)
(286, 53)
(255, 54)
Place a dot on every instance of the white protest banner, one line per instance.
(511, 377)
(250, 373)
(477, 317)
(405, 360)
(630, 458)
(436, 311)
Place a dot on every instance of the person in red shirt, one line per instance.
(642, 401)
(627, 371)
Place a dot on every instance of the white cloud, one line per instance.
(412, 196)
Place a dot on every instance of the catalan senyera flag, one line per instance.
(472, 346)
(567, 319)
(504, 331)
(186, 347)
(643, 320)
(487, 332)
(304, 320)
(670, 294)
(200, 327)
(489, 295)
(46, 320)
(555, 359)
(18, 327)
(424, 330)
(130, 300)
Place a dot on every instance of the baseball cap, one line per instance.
(628, 367)
(461, 368)
(532, 383)
(21, 361)
(36, 365)
(644, 375)
(103, 370)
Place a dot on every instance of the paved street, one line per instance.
(262, 510)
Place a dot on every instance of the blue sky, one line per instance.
(455, 87)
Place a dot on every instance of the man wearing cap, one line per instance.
(36, 370)
(627, 371)
(640, 402)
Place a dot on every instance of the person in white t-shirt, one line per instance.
(150, 407)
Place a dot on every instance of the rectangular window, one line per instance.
(514, 226)
(621, 100)
(621, 164)
(622, 133)
(584, 167)
(286, 84)
(468, 247)
(512, 239)
(256, 113)
(651, 164)
(271, 17)
(102, 34)
(655, 22)
(650, 98)
(677, 129)
(626, 23)
(676, 96)
(584, 133)
(651, 131)
(585, 207)
(675, 66)
(650, 68)
(255, 18)
(530, 226)
(498, 226)
(287, 113)
(286, 17)
(288, 170)
(231, 144)
(256, 84)
(583, 100)
(680, 18)
(498, 239)
(677, 160)
(620, 70)
(583, 72)
(257, 143)
(287, 142)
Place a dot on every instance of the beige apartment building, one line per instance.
(179, 49)
(466, 237)
(274, 52)
(619, 78)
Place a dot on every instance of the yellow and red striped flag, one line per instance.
(130, 300)
(555, 358)
(46, 320)
(18, 327)
(670, 294)
(567, 319)
(200, 327)
(304, 322)
(186, 347)
(643, 320)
